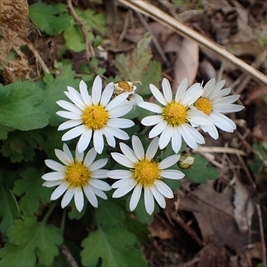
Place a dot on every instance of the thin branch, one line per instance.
(89, 48)
(158, 15)
(262, 236)
(38, 57)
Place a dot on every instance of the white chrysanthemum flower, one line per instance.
(76, 176)
(129, 88)
(213, 102)
(94, 116)
(144, 174)
(175, 117)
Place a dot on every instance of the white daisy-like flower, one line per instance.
(175, 117)
(213, 102)
(144, 174)
(129, 88)
(76, 176)
(94, 116)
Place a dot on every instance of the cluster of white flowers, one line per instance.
(91, 117)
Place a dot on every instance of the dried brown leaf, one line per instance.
(186, 63)
(244, 209)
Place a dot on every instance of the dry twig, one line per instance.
(158, 15)
(89, 48)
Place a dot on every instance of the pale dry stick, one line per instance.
(125, 26)
(158, 15)
(65, 251)
(38, 58)
(214, 149)
(154, 39)
(89, 48)
(264, 260)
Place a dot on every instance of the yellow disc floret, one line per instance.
(175, 113)
(204, 104)
(95, 117)
(77, 175)
(125, 86)
(146, 172)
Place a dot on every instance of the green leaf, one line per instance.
(109, 214)
(8, 207)
(139, 67)
(54, 91)
(95, 20)
(30, 240)
(74, 39)
(30, 186)
(200, 172)
(20, 106)
(51, 19)
(114, 246)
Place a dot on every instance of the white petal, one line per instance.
(151, 107)
(192, 94)
(191, 136)
(125, 189)
(122, 182)
(128, 152)
(229, 108)
(78, 199)
(99, 174)
(107, 93)
(122, 160)
(181, 90)
(63, 157)
(135, 197)
(78, 155)
(157, 94)
(84, 93)
(98, 164)
(138, 147)
(169, 161)
(75, 97)
(68, 115)
(96, 90)
(211, 130)
(98, 141)
(163, 189)
(101, 185)
(176, 140)
(117, 101)
(51, 183)
(69, 106)
(59, 191)
(120, 110)
(67, 197)
(152, 120)
(119, 174)
(222, 122)
(69, 124)
(167, 91)
(90, 196)
(158, 129)
(172, 174)
(120, 123)
(152, 149)
(73, 133)
(67, 152)
(158, 196)
(54, 165)
(116, 132)
(209, 87)
(53, 176)
(99, 193)
(90, 157)
(149, 200)
(84, 140)
(109, 137)
(165, 137)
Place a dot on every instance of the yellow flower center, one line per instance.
(125, 86)
(77, 175)
(175, 113)
(146, 172)
(204, 104)
(95, 117)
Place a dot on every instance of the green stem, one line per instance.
(50, 210)
(62, 225)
